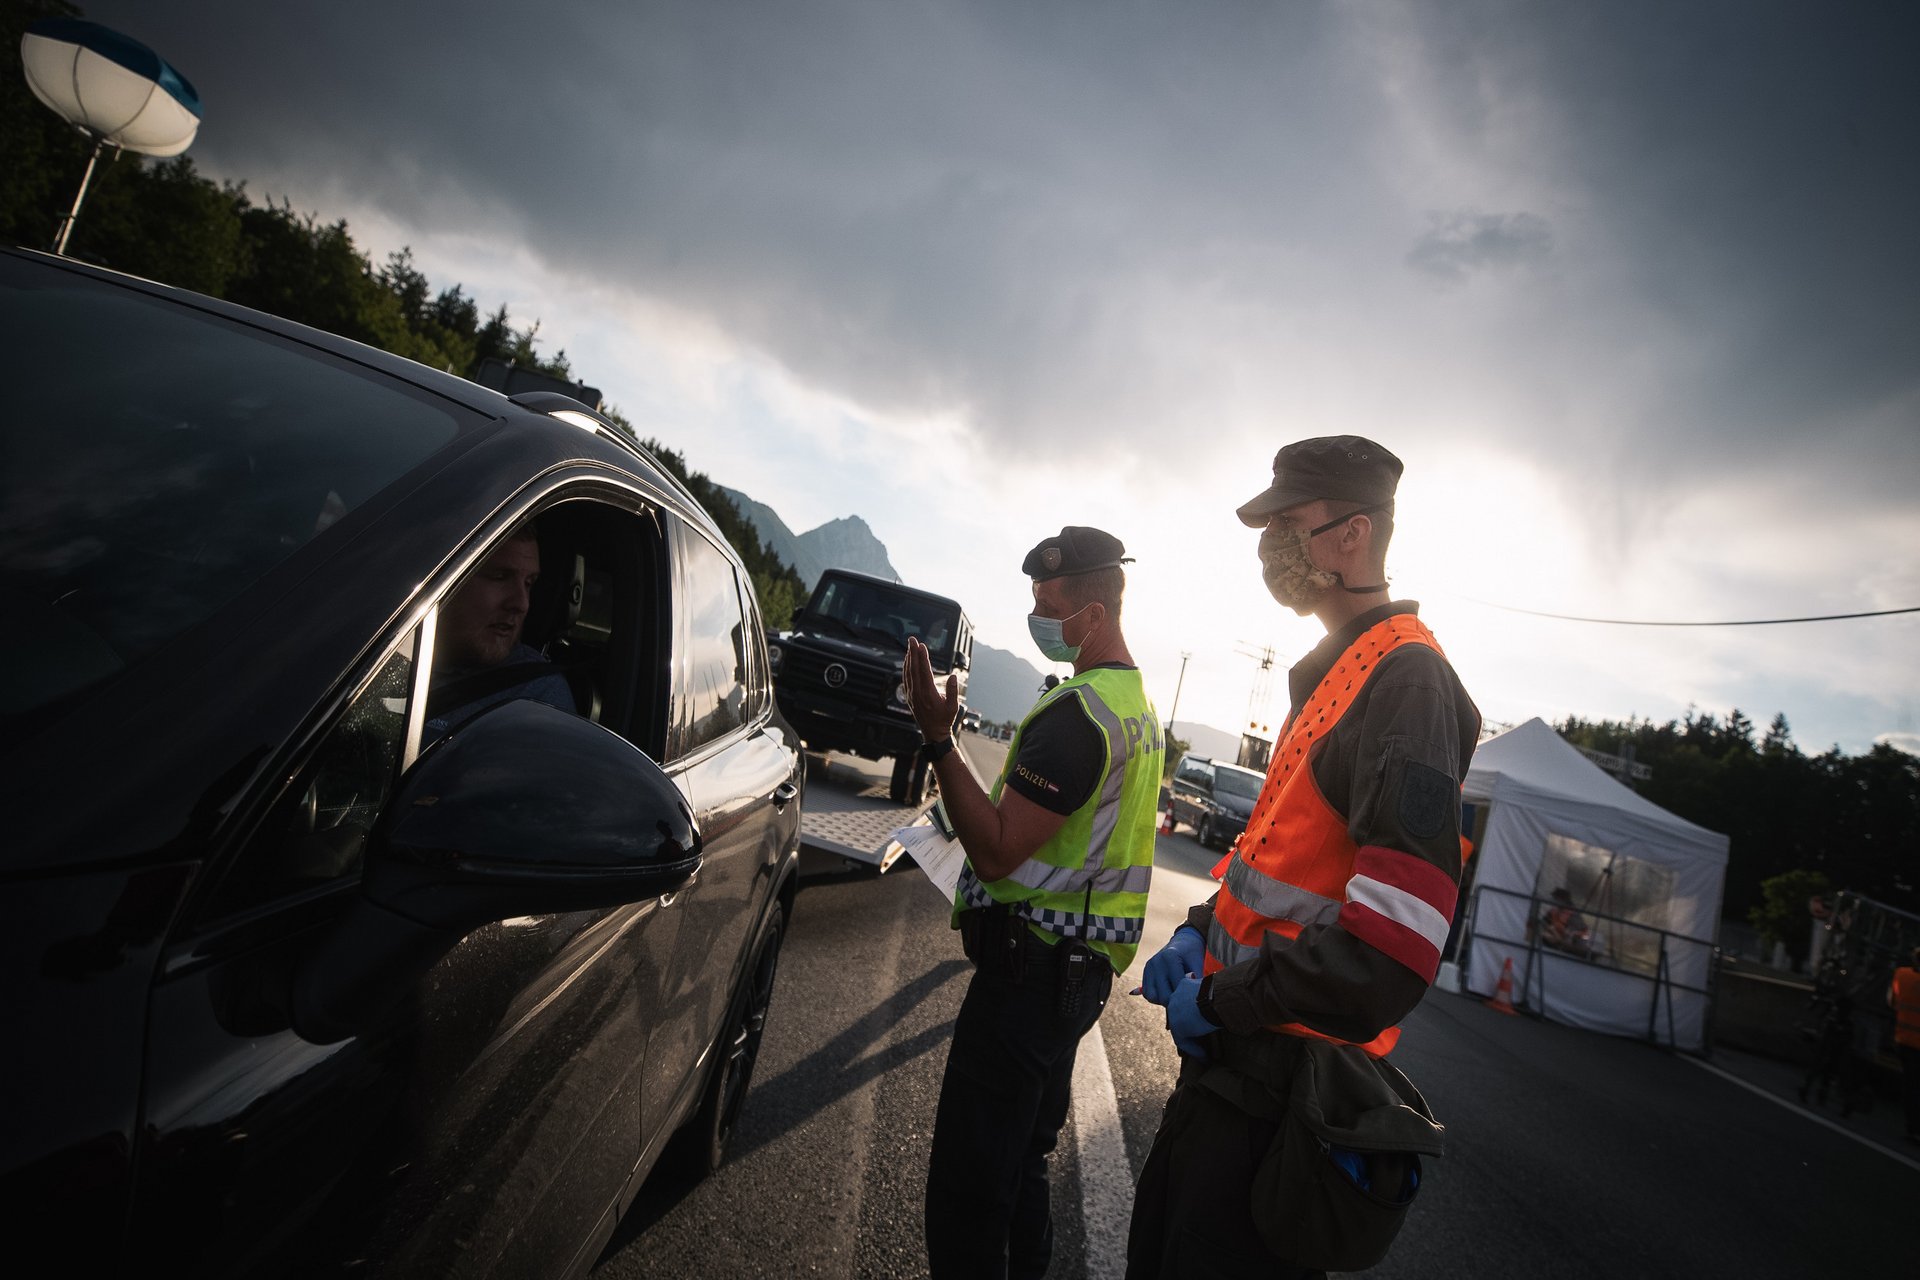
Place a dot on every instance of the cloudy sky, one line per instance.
(1633, 288)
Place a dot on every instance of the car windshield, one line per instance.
(873, 612)
(1244, 783)
(158, 460)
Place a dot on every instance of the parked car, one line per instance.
(305, 967)
(1214, 798)
(838, 671)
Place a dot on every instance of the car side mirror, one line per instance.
(524, 810)
(962, 661)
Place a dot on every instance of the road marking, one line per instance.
(1801, 1111)
(1106, 1179)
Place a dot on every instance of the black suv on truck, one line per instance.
(837, 674)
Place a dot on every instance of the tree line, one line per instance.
(1796, 823)
(163, 220)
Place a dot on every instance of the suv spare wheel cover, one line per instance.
(836, 675)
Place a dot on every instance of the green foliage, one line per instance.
(1782, 915)
(1853, 819)
(1176, 747)
(778, 587)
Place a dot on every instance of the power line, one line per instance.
(1639, 622)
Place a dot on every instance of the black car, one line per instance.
(1214, 798)
(838, 672)
(319, 955)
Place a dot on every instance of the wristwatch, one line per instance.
(931, 752)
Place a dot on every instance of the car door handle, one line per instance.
(783, 795)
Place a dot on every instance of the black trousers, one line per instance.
(1002, 1104)
(1193, 1205)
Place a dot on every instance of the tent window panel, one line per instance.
(1613, 905)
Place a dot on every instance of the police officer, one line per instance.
(1336, 901)
(1050, 905)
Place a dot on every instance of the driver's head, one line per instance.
(481, 621)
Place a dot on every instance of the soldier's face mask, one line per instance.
(1050, 635)
(1287, 567)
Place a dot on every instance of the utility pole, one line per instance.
(1177, 686)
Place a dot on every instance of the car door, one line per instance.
(487, 1120)
(741, 777)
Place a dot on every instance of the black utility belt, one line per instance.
(1000, 944)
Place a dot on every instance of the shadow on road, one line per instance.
(837, 1068)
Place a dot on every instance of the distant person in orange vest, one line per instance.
(1336, 901)
(1903, 996)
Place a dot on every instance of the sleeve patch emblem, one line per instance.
(1428, 799)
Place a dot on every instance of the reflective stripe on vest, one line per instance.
(1293, 865)
(1091, 879)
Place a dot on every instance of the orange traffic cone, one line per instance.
(1502, 1001)
(1166, 823)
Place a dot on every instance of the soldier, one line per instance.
(1336, 902)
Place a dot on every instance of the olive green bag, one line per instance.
(1344, 1167)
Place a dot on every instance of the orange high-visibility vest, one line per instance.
(1906, 1006)
(1294, 864)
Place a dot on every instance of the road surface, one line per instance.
(1570, 1154)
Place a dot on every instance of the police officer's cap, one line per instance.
(1342, 468)
(1077, 549)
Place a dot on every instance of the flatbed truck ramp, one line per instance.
(848, 822)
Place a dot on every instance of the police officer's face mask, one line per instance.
(1050, 635)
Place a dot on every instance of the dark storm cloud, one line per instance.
(1460, 243)
(1755, 165)
(1017, 211)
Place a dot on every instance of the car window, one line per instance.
(711, 694)
(141, 493)
(317, 830)
(1238, 782)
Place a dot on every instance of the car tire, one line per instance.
(901, 783)
(922, 784)
(1205, 832)
(703, 1143)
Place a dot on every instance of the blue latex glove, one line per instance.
(1189, 1026)
(1181, 958)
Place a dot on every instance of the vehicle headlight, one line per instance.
(775, 657)
(900, 693)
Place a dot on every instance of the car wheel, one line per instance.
(1205, 833)
(921, 785)
(902, 781)
(708, 1135)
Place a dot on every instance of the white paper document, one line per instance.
(940, 856)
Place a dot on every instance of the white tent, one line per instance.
(1645, 887)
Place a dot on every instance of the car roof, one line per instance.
(875, 580)
(523, 410)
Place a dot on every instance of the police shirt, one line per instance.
(1061, 754)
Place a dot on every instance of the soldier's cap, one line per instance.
(1343, 468)
(1077, 549)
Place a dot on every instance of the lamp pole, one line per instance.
(66, 223)
(1177, 686)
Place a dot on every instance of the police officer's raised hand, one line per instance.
(1181, 958)
(934, 711)
(1189, 1026)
